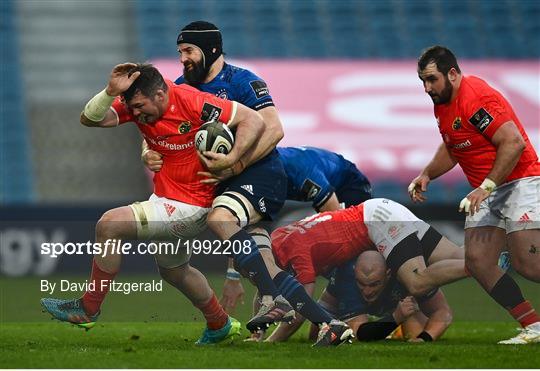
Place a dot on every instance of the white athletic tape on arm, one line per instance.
(97, 107)
(488, 185)
(116, 114)
(411, 189)
(232, 275)
(145, 148)
(465, 204)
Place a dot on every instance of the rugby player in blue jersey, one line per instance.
(364, 288)
(251, 189)
(324, 178)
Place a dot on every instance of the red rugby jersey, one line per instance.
(173, 136)
(315, 245)
(467, 125)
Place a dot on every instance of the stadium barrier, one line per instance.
(27, 235)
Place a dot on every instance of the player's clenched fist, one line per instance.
(417, 187)
(152, 160)
(406, 308)
(121, 79)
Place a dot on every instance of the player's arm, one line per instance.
(98, 111)
(330, 303)
(510, 145)
(317, 188)
(380, 329)
(441, 163)
(271, 135)
(357, 321)
(439, 315)
(331, 204)
(233, 291)
(249, 127)
(284, 330)
(110, 119)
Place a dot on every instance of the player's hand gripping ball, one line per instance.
(214, 136)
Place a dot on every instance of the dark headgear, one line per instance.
(206, 36)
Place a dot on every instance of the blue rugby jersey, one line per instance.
(238, 84)
(343, 287)
(315, 173)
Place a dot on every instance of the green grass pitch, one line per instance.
(158, 330)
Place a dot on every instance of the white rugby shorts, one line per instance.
(388, 223)
(163, 219)
(513, 206)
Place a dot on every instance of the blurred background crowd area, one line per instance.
(342, 74)
(57, 54)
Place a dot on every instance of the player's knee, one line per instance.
(219, 219)
(221, 214)
(261, 237)
(474, 261)
(418, 287)
(174, 276)
(446, 315)
(527, 268)
(117, 223)
(230, 207)
(167, 275)
(418, 290)
(106, 226)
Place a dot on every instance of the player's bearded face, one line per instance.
(444, 95)
(436, 84)
(194, 72)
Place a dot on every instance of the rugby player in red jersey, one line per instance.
(317, 244)
(482, 134)
(168, 117)
(251, 191)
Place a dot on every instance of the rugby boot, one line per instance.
(229, 331)
(527, 335)
(278, 310)
(334, 334)
(71, 311)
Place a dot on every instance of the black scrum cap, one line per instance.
(206, 36)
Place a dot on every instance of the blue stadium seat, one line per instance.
(15, 168)
(374, 29)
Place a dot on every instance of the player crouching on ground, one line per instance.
(365, 287)
(316, 245)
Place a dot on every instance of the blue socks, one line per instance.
(250, 260)
(295, 293)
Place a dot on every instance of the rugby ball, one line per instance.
(214, 136)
